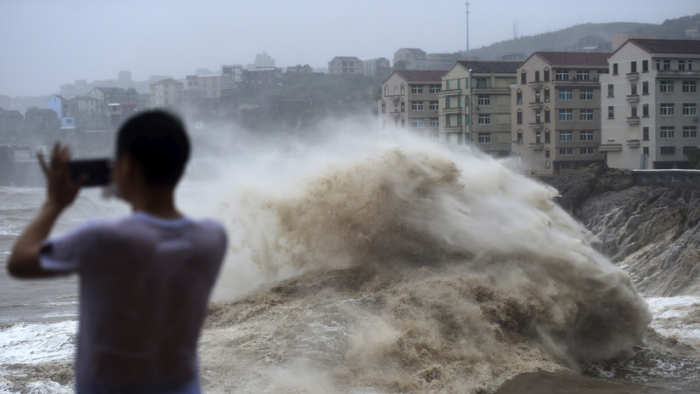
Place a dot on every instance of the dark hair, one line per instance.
(158, 143)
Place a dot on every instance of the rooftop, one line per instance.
(418, 75)
(667, 46)
(490, 67)
(573, 58)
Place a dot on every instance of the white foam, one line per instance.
(37, 343)
(670, 314)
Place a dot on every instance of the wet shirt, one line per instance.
(145, 284)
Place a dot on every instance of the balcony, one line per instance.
(453, 128)
(610, 147)
(536, 104)
(633, 76)
(537, 126)
(633, 143)
(535, 84)
(633, 120)
(577, 82)
(395, 114)
(452, 110)
(536, 146)
(632, 98)
(394, 97)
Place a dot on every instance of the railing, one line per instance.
(632, 98)
(633, 76)
(536, 146)
(610, 147)
(537, 126)
(633, 120)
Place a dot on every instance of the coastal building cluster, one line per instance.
(636, 108)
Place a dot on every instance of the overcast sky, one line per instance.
(44, 44)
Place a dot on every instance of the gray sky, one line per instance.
(44, 44)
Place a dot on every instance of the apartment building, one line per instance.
(345, 65)
(556, 111)
(410, 59)
(475, 96)
(651, 100)
(410, 101)
(380, 67)
(167, 93)
(209, 85)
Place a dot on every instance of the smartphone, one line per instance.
(99, 171)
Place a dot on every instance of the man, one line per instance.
(145, 279)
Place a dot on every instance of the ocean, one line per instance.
(380, 268)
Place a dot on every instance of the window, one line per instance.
(611, 112)
(690, 131)
(417, 123)
(614, 69)
(546, 95)
(434, 89)
(586, 135)
(434, 106)
(546, 75)
(681, 65)
(459, 84)
(386, 90)
(666, 86)
(416, 105)
(484, 138)
(587, 151)
(668, 150)
(645, 66)
(633, 90)
(403, 106)
(690, 108)
(667, 65)
(566, 94)
(645, 150)
(537, 96)
(586, 114)
(520, 137)
(611, 90)
(645, 110)
(538, 117)
(466, 101)
(666, 109)
(434, 123)
(482, 83)
(645, 133)
(447, 85)
(562, 75)
(484, 118)
(447, 102)
(689, 87)
(519, 96)
(583, 75)
(566, 136)
(483, 99)
(537, 76)
(586, 94)
(566, 115)
(383, 107)
(520, 117)
(459, 101)
(666, 132)
(687, 150)
(447, 120)
(416, 89)
(633, 67)
(547, 118)
(547, 138)
(459, 120)
(523, 77)
(546, 154)
(645, 87)
(566, 151)
(396, 90)
(403, 90)
(634, 111)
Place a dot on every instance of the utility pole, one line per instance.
(467, 4)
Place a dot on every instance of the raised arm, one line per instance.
(61, 192)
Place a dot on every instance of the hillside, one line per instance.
(598, 35)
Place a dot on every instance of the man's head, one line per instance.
(156, 143)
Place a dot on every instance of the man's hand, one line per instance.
(60, 187)
(61, 192)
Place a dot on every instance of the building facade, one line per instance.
(651, 100)
(60, 106)
(556, 111)
(476, 96)
(380, 67)
(410, 101)
(167, 93)
(209, 85)
(345, 65)
(410, 59)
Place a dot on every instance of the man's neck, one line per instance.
(157, 201)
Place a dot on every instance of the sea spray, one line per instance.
(411, 270)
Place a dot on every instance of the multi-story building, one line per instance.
(556, 111)
(380, 67)
(651, 100)
(345, 65)
(442, 61)
(210, 85)
(410, 59)
(109, 95)
(263, 60)
(60, 106)
(167, 93)
(476, 96)
(410, 101)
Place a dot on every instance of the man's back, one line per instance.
(144, 287)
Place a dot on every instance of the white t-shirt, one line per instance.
(144, 288)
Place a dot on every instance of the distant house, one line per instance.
(345, 65)
(60, 105)
(380, 67)
(41, 120)
(109, 95)
(410, 59)
(167, 93)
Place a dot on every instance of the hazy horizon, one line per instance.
(47, 44)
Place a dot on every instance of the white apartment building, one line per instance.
(345, 65)
(651, 101)
(167, 93)
(475, 95)
(410, 101)
(556, 111)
